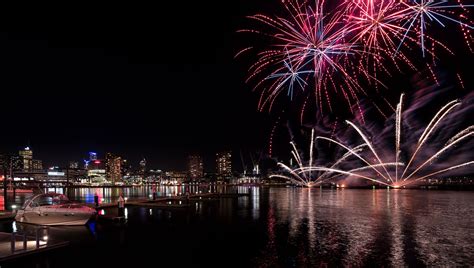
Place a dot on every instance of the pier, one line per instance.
(173, 201)
(19, 244)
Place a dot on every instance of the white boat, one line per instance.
(53, 209)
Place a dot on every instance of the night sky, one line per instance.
(155, 82)
(158, 82)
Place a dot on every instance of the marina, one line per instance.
(272, 225)
(239, 133)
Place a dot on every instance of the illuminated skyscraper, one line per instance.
(142, 168)
(195, 167)
(125, 167)
(36, 164)
(73, 165)
(224, 164)
(15, 162)
(92, 156)
(27, 157)
(113, 172)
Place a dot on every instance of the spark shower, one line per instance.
(329, 49)
(374, 162)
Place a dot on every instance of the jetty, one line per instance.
(19, 244)
(172, 202)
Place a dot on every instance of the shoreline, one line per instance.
(456, 187)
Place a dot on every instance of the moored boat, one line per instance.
(53, 209)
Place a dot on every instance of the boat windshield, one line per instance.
(47, 200)
(26, 203)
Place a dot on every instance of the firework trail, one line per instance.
(309, 174)
(309, 48)
(375, 26)
(419, 152)
(418, 15)
(327, 49)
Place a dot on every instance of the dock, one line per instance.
(172, 202)
(16, 245)
(112, 219)
(160, 204)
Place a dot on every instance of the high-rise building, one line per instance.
(92, 156)
(224, 164)
(15, 162)
(86, 164)
(142, 168)
(175, 177)
(112, 168)
(36, 164)
(195, 167)
(73, 165)
(96, 171)
(10, 163)
(125, 167)
(27, 157)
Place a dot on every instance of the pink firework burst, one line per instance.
(327, 49)
(308, 49)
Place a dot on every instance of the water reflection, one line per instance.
(255, 198)
(362, 227)
(111, 195)
(286, 227)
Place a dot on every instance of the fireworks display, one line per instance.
(309, 48)
(342, 52)
(334, 50)
(415, 155)
(413, 158)
(418, 15)
(308, 173)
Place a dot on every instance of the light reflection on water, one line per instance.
(294, 227)
(111, 195)
(359, 227)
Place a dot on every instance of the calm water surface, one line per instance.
(276, 227)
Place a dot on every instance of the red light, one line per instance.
(96, 162)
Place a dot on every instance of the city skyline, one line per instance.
(23, 160)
